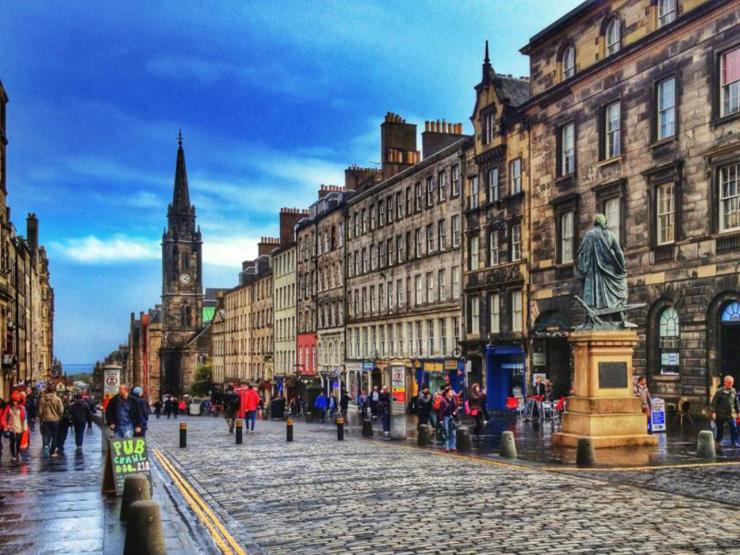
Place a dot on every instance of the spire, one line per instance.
(181, 197)
(487, 68)
(486, 60)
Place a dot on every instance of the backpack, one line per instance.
(437, 402)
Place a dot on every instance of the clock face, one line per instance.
(185, 279)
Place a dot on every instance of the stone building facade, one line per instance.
(218, 344)
(262, 319)
(143, 364)
(634, 113)
(403, 260)
(495, 210)
(26, 295)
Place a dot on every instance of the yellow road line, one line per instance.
(223, 539)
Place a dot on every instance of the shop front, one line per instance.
(551, 354)
(505, 374)
(437, 373)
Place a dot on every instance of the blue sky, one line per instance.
(274, 98)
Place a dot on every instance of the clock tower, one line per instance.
(182, 284)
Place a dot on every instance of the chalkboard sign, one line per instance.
(612, 375)
(124, 457)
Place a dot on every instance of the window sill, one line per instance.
(566, 180)
(725, 119)
(661, 143)
(609, 161)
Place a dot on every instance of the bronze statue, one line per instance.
(600, 265)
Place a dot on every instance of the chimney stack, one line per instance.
(267, 245)
(397, 145)
(439, 135)
(32, 232)
(289, 217)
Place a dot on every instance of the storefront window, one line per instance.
(669, 328)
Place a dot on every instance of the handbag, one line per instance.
(467, 407)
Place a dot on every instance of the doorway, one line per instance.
(730, 341)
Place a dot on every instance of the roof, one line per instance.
(212, 293)
(559, 24)
(516, 90)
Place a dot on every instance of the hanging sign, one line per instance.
(398, 383)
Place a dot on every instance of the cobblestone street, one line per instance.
(318, 495)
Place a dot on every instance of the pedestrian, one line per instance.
(384, 409)
(437, 407)
(374, 398)
(157, 408)
(80, 412)
(31, 410)
(15, 424)
(724, 410)
(182, 406)
(642, 391)
(332, 406)
(3, 404)
(64, 423)
(424, 409)
(51, 410)
(475, 409)
(251, 403)
(123, 414)
(549, 388)
(344, 403)
(321, 403)
(231, 408)
(362, 404)
(168, 408)
(138, 394)
(448, 412)
(92, 409)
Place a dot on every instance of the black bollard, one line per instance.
(289, 429)
(340, 429)
(183, 435)
(239, 430)
(367, 427)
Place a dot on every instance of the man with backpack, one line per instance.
(231, 407)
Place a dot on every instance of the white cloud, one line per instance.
(229, 251)
(115, 249)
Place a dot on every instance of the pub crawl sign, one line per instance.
(125, 457)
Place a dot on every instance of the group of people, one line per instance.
(233, 406)
(329, 405)
(171, 407)
(127, 415)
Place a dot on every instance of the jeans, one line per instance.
(251, 418)
(61, 437)
(425, 419)
(451, 439)
(387, 421)
(124, 431)
(49, 431)
(79, 433)
(721, 429)
(15, 444)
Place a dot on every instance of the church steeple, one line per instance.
(181, 197)
(488, 72)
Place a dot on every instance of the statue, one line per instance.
(600, 265)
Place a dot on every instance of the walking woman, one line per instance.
(15, 423)
(447, 412)
(475, 405)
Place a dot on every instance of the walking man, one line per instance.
(80, 411)
(231, 408)
(51, 410)
(251, 402)
(384, 407)
(123, 414)
(724, 410)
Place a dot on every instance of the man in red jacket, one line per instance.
(251, 402)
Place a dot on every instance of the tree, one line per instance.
(203, 382)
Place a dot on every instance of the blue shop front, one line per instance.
(436, 373)
(505, 376)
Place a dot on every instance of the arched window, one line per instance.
(669, 333)
(613, 36)
(568, 61)
(731, 312)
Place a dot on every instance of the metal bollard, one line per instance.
(239, 431)
(705, 446)
(585, 454)
(183, 435)
(289, 430)
(340, 429)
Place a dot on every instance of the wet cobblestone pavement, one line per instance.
(55, 505)
(317, 495)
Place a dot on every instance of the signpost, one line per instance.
(111, 381)
(124, 457)
(657, 415)
(398, 401)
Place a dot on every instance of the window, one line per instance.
(456, 282)
(612, 130)
(364, 307)
(373, 210)
(515, 176)
(389, 251)
(516, 242)
(665, 216)
(666, 12)
(418, 244)
(456, 330)
(417, 197)
(473, 197)
(430, 288)
(569, 61)
(442, 186)
(381, 213)
(399, 293)
(455, 230)
(455, 180)
(493, 185)
(730, 82)
(565, 225)
(441, 286)
(408, 207)
(364, 260)
(613, 213)
(442, 337)
(430, 336)
(473, 253)
(356, 223)
(441, 235)
(729, 197)
(410, 337)
(381, 297)
(419, 292)
(495, 312)
(474, 314)
(430, 238)
(488, 124)
(399, 206)
(364, 221)
(373, 257)
(613, 36)
(389, 208)
(517, 316)
(666, 96)
(430, 191)
(399, 248)
(669, 341)
(372, 298)
(567, 149)
(493, 249)
(389, 290)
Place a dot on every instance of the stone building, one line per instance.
(237, 337)
(26, 296)
(184, 345)
(284, 295)
(495, 212)
(143, 364)
(634, 113)
(403, 261)
(218, 344)
(262, 344)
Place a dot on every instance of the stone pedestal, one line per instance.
(604, 408)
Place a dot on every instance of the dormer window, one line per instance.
(569, 61)
(489, 126)
(666, 12)
(613, 36)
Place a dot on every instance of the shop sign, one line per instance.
(353, 366)
(368, 365)
(451, 364)
(398, 383)
(433, 366)
(539, 359)
(669, 359)
(657, 415)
